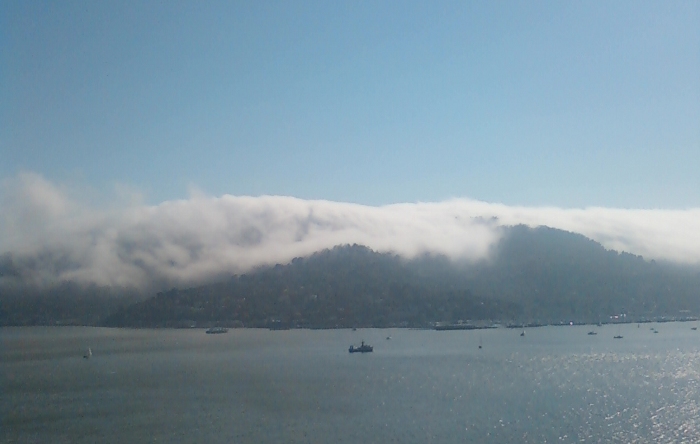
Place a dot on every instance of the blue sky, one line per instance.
(568, 104)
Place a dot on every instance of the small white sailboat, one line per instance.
(88, 354)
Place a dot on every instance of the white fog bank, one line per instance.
(51, 235)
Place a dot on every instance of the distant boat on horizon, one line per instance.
(618, 336)
(523, 333)
(592, 333)
(216, 330)
(88, 354)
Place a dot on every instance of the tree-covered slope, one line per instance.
(540, 274)
(343, 287)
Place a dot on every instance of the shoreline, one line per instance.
(437, 326)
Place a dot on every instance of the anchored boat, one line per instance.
(363, 348)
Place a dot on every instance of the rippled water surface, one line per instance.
(555, 384)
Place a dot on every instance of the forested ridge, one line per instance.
(538, 275)
(534, 275)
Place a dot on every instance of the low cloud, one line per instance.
(48, 235)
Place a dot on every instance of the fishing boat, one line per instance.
(618, 336)
(363, 348)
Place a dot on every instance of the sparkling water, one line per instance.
(555, 384)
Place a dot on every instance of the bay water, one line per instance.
(555, 384)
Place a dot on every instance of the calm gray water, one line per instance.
(556, 384)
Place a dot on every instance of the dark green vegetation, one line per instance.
(349, 286)
(64, 304)
(535, 275)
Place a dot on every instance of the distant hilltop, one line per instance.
(539, 275)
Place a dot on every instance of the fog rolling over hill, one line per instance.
(534, 275)
(52, 233)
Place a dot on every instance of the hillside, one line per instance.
(66, 303)
(535, 275)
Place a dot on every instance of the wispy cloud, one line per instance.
(52, 235)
